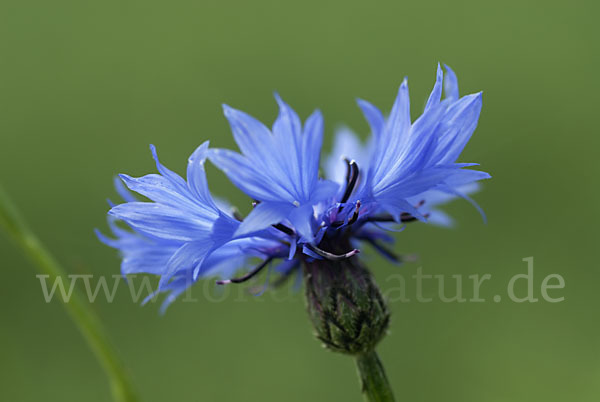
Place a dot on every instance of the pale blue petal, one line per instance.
(161, 190)
(196, 175)
(399, 121)
(310, 253)
(324, 190)
(414, 184)
(292, 250)
(287, 147)
(260, 147)
(187, 257)
(106, 240)
(162, 221)
(346, 145)
(373, 116)
(436, 94)
(465, 176)
(450, 84)
(262, 216)
(244, 175)
(467, 198)
(302, 219)
(312, 141)
(286, 266)
(396, 207)
(281, 166)
(175, 179)
(409, 165)
(395, 142)
(460, 120)
(122, 190)
(287, 123)
(175, 289)
(440, 218)
(250, 134)
(390, 227)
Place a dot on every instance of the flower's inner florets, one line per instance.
(336, 236)
(351, 179)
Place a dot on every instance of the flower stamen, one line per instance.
(351, 179)
(352, 219)
(281, 227)
(330, 256)
(354, 216)
(248, 276)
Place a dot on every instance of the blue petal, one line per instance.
(162, 190)
(324, 189)
(399, 121)
(414, 184)
(106, 240)
(286, 266)
(302, 219)
(196, 176)
(287, 146)
(391, 227)
(465, 176)
(458, 193)
(275, 167)
(436, 93)
(163, 221)
(346, 145)
(395, 140)
(175, 289)
(187, 257)
(262, 216)
(244, 175)
(175, 179)
(408, 165)
(374, 117)
(259, 147)
(396, 207)
(450, 84)
(293, 248)
(460, 120)
(139, 253)
(311, 253)
(122, 191)
(287, 123)
(439, 218)
(297, 149)
(250, 135)
(226, 260)
(312, 141)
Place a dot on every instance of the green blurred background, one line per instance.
(85, 86)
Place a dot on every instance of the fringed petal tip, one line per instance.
(105, 239)
(278, 99)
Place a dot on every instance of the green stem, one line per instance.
(86, 320)
(374, 383)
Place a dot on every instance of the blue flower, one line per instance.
(405, 170)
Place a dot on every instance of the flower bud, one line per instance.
(345, 305)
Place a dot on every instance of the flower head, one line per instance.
(405, 170)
